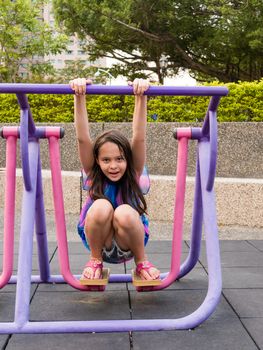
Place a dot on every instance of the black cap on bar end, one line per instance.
(62, 133)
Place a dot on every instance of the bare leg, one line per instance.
(99, 232)
(129, 234)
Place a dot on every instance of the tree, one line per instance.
(212, 38)
(74, 69)
(25, 39)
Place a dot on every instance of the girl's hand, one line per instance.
(139, 86)
(79, 85)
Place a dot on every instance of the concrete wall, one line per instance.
(240, 149)
(238, 186)
(239, 201)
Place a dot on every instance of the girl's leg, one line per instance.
(129, 234)
(99, 232)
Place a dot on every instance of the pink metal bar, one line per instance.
(10, 131)
(9, 211)
(183, 132)
(183, 135)
(60, 214)
(52, 131)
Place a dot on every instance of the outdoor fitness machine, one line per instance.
(33, 214)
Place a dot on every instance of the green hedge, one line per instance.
(244, 103)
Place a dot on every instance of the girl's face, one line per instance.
(111, 161)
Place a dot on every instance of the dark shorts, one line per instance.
(116, 255)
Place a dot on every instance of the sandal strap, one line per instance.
(145, 265)
(95, 264)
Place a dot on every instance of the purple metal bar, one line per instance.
(197, 223)
(213, 150)
(211, 231)
(26, 242)
(24, 136)
(114, 278)
(204, 198)
(24, 148)
(115, 90)
(41, 233)
(209, 131)
(24, 105)
(197, 215)
(21, 324)
(212, 107)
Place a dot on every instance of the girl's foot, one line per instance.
(147, 271)
(93, 269)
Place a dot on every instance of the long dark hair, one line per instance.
(130, 190)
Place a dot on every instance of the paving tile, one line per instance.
(7, 302)
(163, 247)
(231, 246)
(173, 304)
(195, 279)
(162, 261)
(80, 306)
(257, 243)
(7, 306)
(242, 277)
(238, 259)
(214, 334)
(246, 302)
(242, 269)
(254, 327)
(3, 340)
(102, 341)
(58, 287)
(160, 246)
(35, 265)
(77, 263)
(236, 246)
(8, 288)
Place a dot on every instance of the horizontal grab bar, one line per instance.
(115, 90)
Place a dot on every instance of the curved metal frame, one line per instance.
(204, 211)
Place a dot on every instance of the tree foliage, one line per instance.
(25, 39)
(77, 68)
(220, 39)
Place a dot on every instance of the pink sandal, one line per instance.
(145, 266)
(94, 265)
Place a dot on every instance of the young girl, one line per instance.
(113, 224)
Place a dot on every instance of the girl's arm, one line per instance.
(138, 142)
(81, 123)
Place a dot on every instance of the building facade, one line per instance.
(74, 51)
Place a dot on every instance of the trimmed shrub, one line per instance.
(244, 103)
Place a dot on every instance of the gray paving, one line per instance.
(237, 322)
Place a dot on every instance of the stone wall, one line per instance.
(240, 148)
(238, 201)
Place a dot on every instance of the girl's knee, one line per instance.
(100, 212)
(125, 217)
